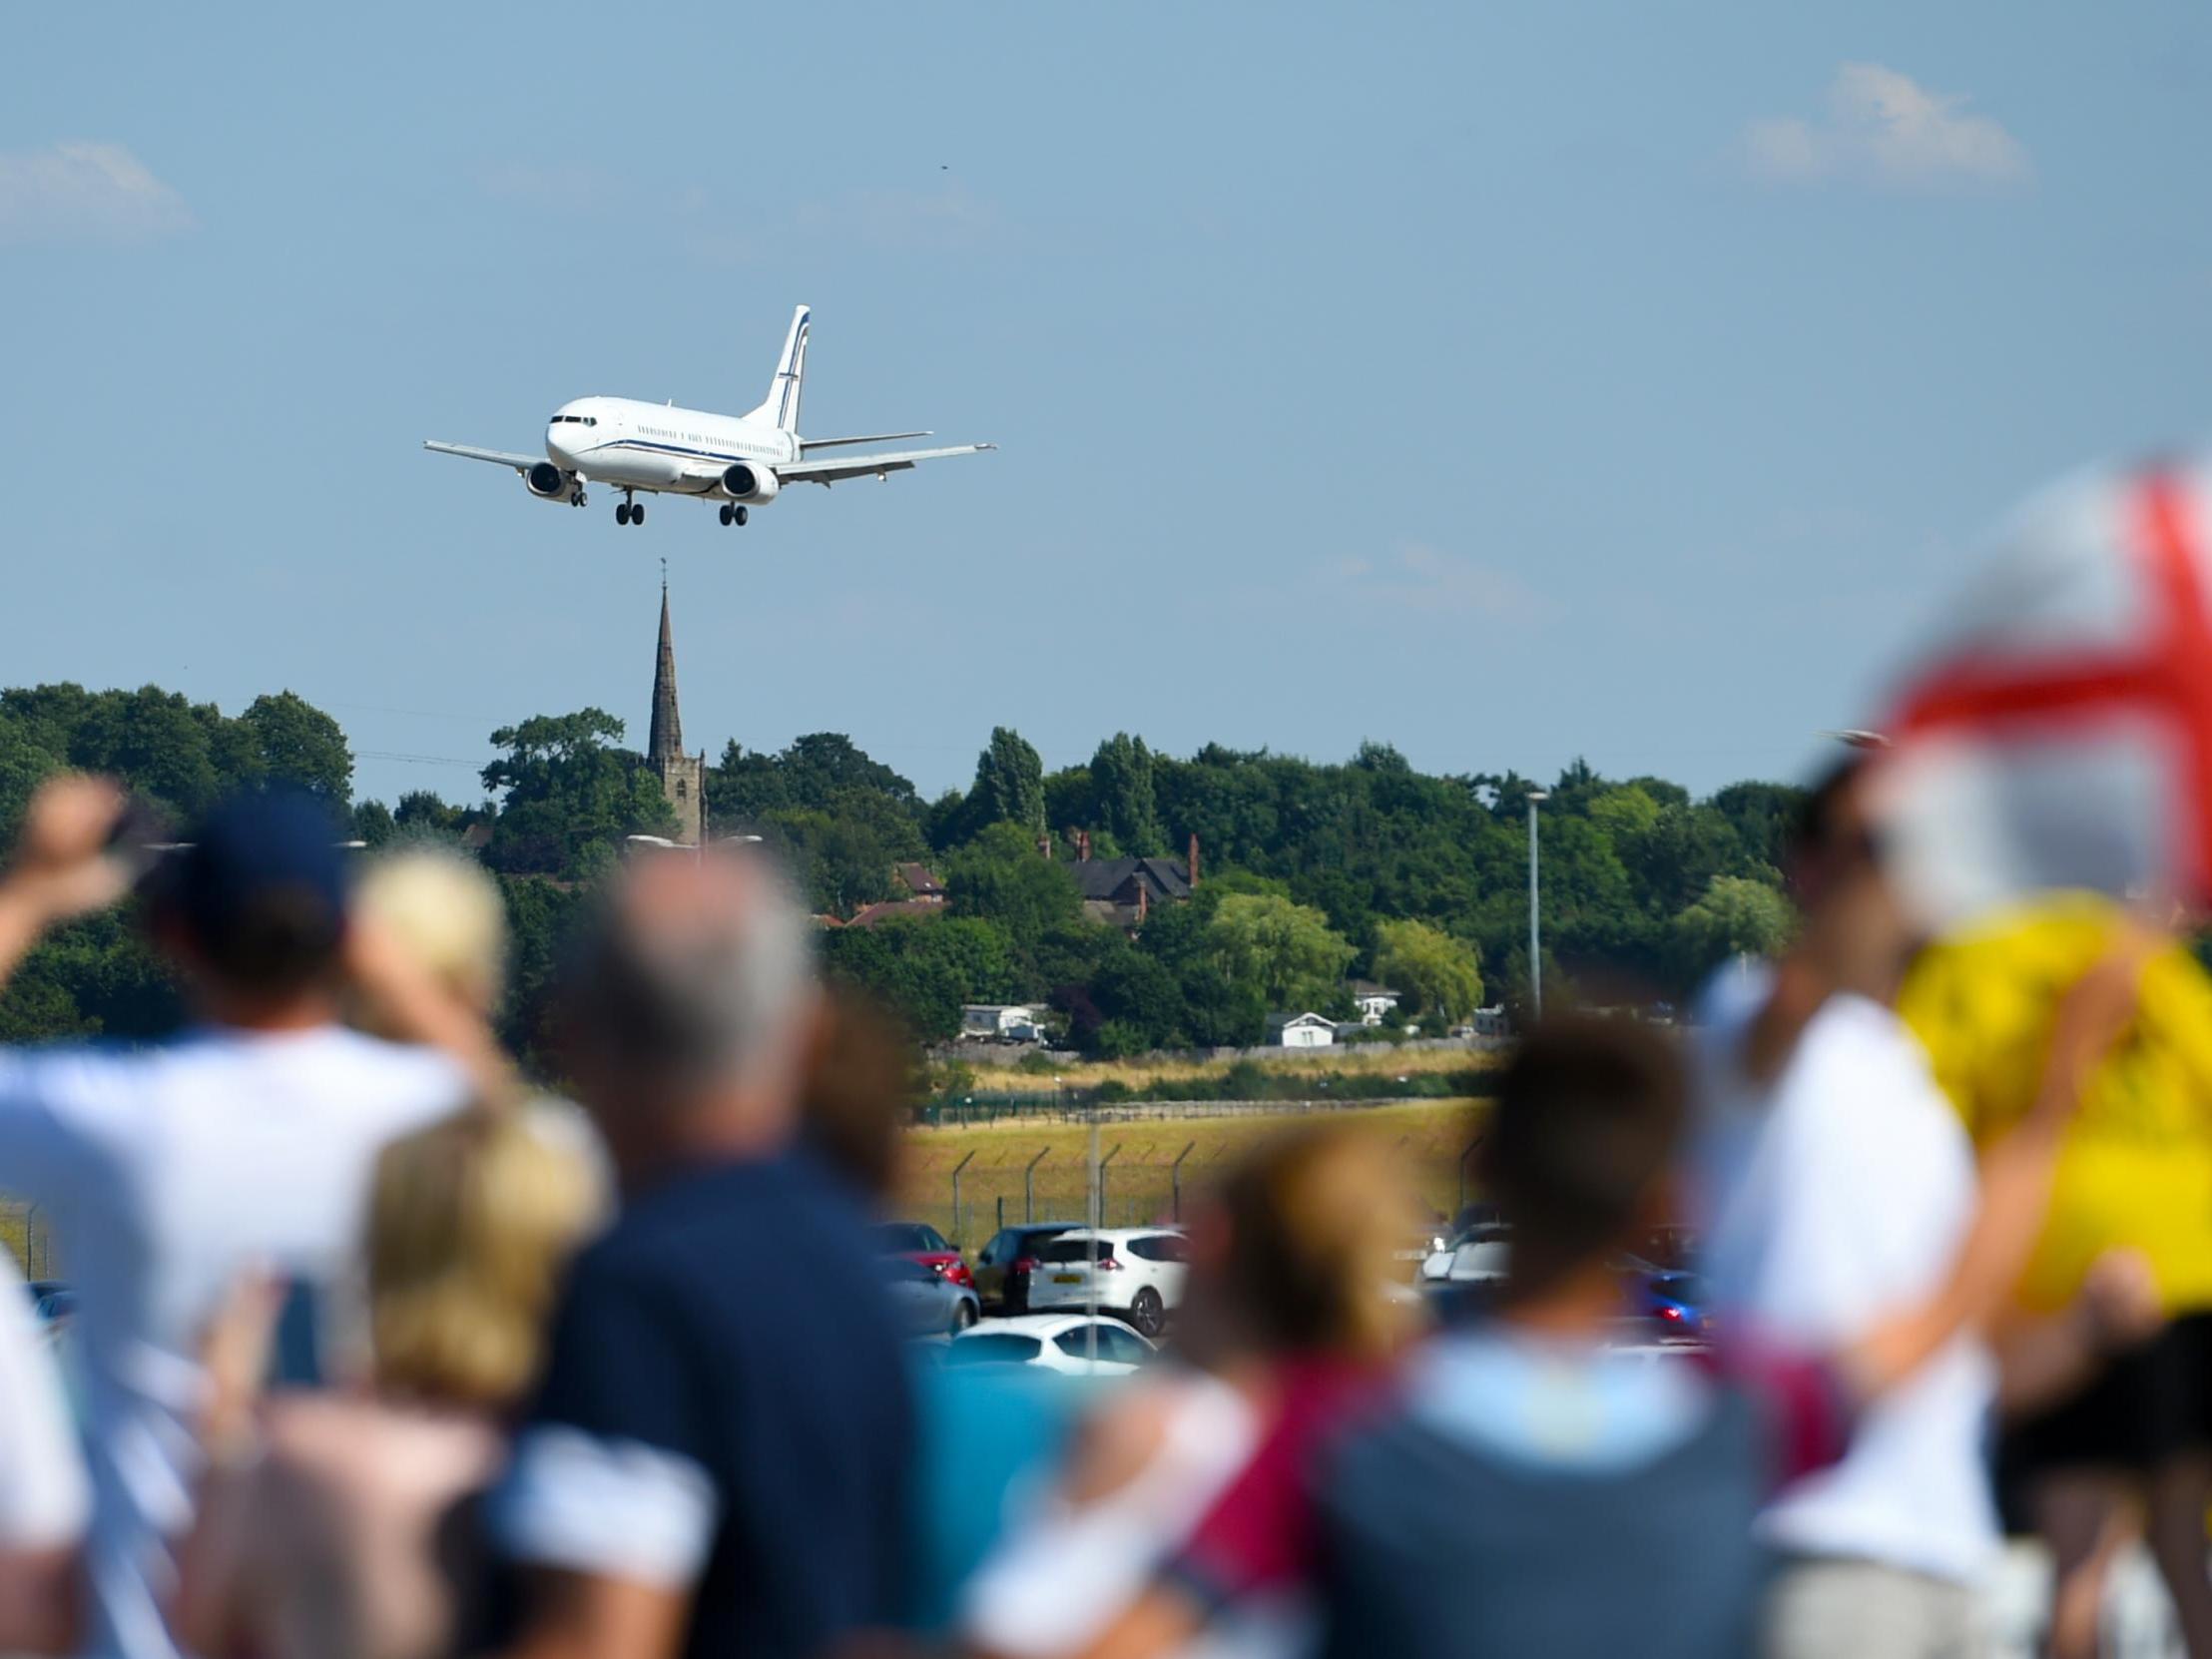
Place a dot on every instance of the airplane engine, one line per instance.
(745, 481)
(548, 482)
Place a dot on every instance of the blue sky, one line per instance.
(1505, 382)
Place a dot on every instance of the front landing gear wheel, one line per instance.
(622, 512)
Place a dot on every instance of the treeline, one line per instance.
(1312, 875)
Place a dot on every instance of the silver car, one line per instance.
(926, 1303)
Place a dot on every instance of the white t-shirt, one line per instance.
(1837, 1197)
(165, 1173)
(43, 1497)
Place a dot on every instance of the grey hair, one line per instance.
(715, 1001)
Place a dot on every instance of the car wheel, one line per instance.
(963, 1316)
(1148, 1313)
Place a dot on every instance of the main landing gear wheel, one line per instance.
(727, 518)
(637, 512)
(739, 512)
(622, 512)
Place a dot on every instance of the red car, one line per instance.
(920, 1241)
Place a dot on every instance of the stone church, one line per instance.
(682, 776)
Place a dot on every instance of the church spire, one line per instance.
(666, 742)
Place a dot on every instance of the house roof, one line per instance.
(1275, 1022)
(1098, 878)
(869, 914)
(1368, 987)
(918, 879)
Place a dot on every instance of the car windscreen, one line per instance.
(902, 1236)
(993, 1348)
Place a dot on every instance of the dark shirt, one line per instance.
(726, 1407)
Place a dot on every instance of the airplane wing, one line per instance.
(867, 466)
(806, 446)
(521, 463)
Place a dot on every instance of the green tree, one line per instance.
(1009, 785)
(1736, 917)
(1438, 974)
(569, 795)
(1285, 952)
(1000, 877)
(296, 743)
(1126, 804)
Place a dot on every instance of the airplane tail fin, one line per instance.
(781, 402)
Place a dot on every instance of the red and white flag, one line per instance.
(2057, 733)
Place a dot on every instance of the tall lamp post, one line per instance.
(1535, 932)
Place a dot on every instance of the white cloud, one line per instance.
(1884, 128)
(1421, 577)
(84, 191)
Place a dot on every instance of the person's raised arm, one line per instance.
(578, 1615)
(2016, 1173)
(60, 866)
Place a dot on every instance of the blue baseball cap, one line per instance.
(258, 849)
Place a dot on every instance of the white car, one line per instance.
(1136, 1272)
(1073, 1343)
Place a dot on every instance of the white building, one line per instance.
(1303, 1030)
(1377, 1004)
(996, 1022)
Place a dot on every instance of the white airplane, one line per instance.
(739, 461)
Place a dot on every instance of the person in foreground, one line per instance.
(1288, 1325)
(716, 1462)
(43, 1500)
(1530, 1488)
(171, 1170)
(1837, 1184)
(330, 1520)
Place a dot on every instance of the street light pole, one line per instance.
(1535, 931)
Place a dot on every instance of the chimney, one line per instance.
(1144, 900)
(1194, 859)
(1082, 847)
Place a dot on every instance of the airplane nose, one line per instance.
(556, 443)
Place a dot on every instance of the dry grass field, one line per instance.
(1354, 1061)
(1139, 1186)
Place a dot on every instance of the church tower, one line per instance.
(682, 776)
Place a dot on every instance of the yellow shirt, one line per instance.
(2135, 1169)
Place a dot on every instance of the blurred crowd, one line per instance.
(381, 1353)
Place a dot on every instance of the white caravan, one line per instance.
(737, 461)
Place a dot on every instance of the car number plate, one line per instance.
(1067, 1279)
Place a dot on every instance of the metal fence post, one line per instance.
(1029, 1185)
(956, 1168)
(1466, 1152)
(1175, 1182)
(1102, 1165)
(1001, 1227)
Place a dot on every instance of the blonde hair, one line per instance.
(446, 914)
(471, 1221)
(1315, 1216)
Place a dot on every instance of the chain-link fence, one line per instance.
(1143, 1179)
(23, 1231)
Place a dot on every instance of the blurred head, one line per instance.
(687, 1008)
(446, 914)
(859, 1093)
(1854, 919)
(1295, 1255)
(470, 1223)
(255, 908)
(1581, 1145)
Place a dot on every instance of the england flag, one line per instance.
(2057, 731)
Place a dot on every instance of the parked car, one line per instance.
(1003, 1266)
(1671, 1303)
(1073, 1343)
(1136, 1272)
(927, 1302)
(920, 1243)
(1476, 1256)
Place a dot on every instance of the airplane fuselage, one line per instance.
(657, 447)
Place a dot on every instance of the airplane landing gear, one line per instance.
(731, 515)
(630, 511)
(576, 497)
(741, 515)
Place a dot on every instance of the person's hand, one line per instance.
(233, 1352)
(2119, 1303)
(61, 866)
(2092, 1017)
